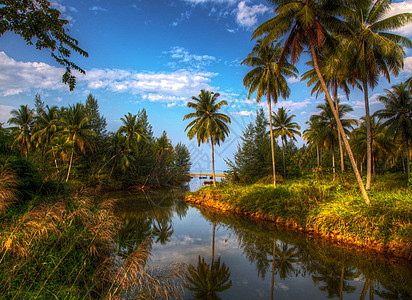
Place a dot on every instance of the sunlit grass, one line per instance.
(330, 207)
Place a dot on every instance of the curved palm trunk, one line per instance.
(213, 163)
(342, 164)
(70, 166)
(271, 140)
(284, 161)
(333, 161)
(368, 137)
(340, 128)
(408, 160)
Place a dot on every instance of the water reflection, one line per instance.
(255, 261)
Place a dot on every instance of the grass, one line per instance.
(332, 208)
(62, 246)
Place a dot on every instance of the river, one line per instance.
(304, 267)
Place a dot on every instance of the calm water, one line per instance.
(304, 268)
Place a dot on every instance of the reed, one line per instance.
(63, 247)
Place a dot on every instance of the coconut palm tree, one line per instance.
(381, 145)
(207, 280)
(45, 125)
(23, 118)
(398, 116)
(284, 128)
(335, 70)
(132, 129)
(376, 50)
(326, 125)
(312, 135)
(268, 77)
(208, 124)
(308, 24)
(77, 130)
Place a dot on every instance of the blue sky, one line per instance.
(156, 54)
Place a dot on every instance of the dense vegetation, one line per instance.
(73, 143)
(58, 237)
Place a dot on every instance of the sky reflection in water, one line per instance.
(305, 268)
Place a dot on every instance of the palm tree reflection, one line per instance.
(207, 280)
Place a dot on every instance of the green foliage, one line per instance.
(40, 24)
(252, 160)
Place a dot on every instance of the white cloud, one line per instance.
(398, 8)
(294, 105)
(194, 2)
(97, 8)
(246, 16)
(5, 113)
(407, 68)
(292, 80)
(183, 57)
(151, 86)
(184, 16)
(243, 113)
(19, 77)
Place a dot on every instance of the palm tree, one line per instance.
(307, 24)
(381, 144)
(77, 130)
(23, 118)
(132, 129)
(398, 115)
(268, 77)
(335, 70)
(207, 281)
(208, 124)
(326, 125)
(60, 147)
(312, 135)
(375, 50)
(284, 128)
(45, 126)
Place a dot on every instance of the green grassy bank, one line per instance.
(327, 207)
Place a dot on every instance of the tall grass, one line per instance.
(63, 247)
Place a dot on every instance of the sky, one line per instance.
(157, 54)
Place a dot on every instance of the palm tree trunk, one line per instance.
(368, 137)
(70, 166)
(333, 161)
(340, 128)
(408, 160)
(213, 243)
(273, 271)
(342, 164)
(213, 163)
(284, 161)
(342, 276)
(364, 289)
(317, 152)
(111, 171)
(271, 140)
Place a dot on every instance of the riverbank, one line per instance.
(321, 206)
